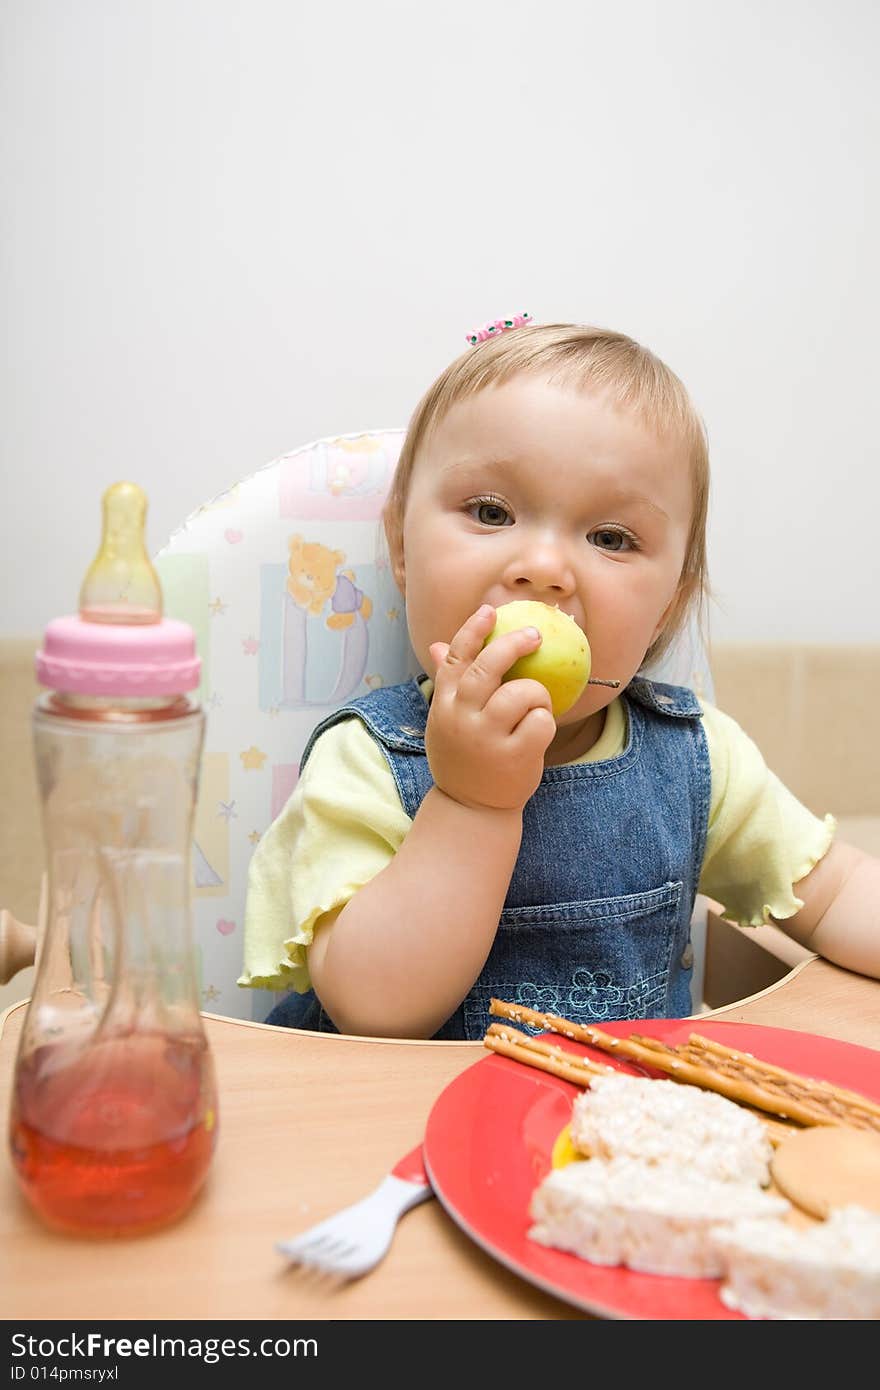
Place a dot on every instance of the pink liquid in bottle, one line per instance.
(115, 1139)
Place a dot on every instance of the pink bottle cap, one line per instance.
(88, 658)
(119, 643)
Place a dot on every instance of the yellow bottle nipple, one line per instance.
(121, 585)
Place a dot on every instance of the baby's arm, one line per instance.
(840, 918)
(402, 953)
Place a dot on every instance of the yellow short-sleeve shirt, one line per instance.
(344, 823)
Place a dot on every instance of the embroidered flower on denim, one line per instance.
(590, 991)
(544, 998)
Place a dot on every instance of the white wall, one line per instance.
(232, 227)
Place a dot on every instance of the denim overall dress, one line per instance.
(596, 923)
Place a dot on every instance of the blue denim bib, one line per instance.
(596, 923)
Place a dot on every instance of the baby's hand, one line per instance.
(486, 740)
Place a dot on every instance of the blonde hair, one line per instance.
(626, 373)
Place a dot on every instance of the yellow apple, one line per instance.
(561, 663)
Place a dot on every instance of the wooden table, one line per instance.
(309, 1123)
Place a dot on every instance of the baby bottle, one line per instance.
(114, 1111)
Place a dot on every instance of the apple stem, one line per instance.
(594, 681)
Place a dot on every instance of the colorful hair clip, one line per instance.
(496, 328)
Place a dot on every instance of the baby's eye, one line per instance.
(607, 538)
(489, 512)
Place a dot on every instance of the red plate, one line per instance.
(491, 1133)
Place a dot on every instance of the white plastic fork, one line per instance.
(354, 1240)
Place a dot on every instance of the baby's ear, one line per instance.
(394, 541)
(399, 572)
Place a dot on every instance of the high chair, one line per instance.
(285, 579)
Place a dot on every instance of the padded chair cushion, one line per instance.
(285, 580)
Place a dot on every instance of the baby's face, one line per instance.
(532, 490)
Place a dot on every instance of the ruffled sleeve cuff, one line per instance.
(782, 902)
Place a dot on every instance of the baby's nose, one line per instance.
(539, 569)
